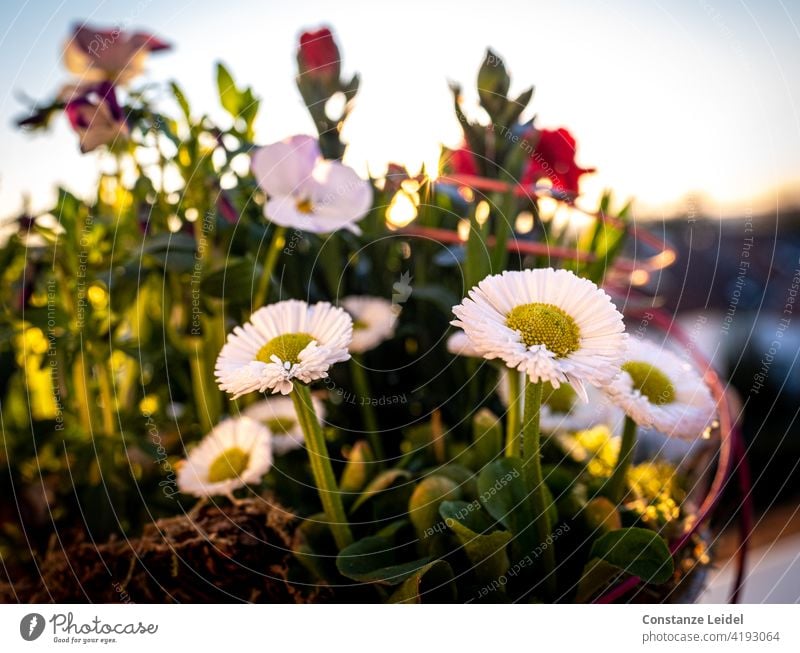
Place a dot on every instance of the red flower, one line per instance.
(462, 162)
(554, 158)
(318, 55)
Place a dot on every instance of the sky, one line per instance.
(679, 103)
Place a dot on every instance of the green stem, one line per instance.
(503, 228)
(531, 449)
(361, 385)
(207, 351)
(106, 397)
(333, 262)
(616, 484)
(81, 396)
(321, 466)
(202, 406)
(275, 246)
(513, 414)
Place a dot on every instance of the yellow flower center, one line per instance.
(560, 399)
(304, 206)
(287, 347)
(280, 424)
(545, 324)
(651, 382)
(359, 325)
(229, 464)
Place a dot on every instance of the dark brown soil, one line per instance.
(224, 553)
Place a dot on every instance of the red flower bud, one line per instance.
(318, 55)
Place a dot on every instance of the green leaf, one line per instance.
(423, 507)
(474, 134)
(351, 88)
(502, 490)
(639, 551)
(486, 551)
(493, 84)
(228, 93)
(359, 468)
(514, 108)
(434, 583)
(310, 546)
(382, 482)
(602, 515)
(487, 438)
(440, 296)
(373, 560)
(597, 574)
(175, 252)
(465, 478)
(180, 98)
(233, 281)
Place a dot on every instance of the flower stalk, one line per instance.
(513, 425)
(107, 403)
(616, 484)
(531, 449)
(370, 423)
(81, 387)
(206, 396)
(275, 246)
(321, 466)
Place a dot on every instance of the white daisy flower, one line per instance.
(283, 342)
(550, 324)
(459, 344)
(307, 192)
(279, 416)
(374, 319)
(659, 390)
(561, 410)
(236, 453)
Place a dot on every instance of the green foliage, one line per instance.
(639, 551)
(423, 506)
(373, 560)
(486, 551)
(240, 103)
(112, 321)
(434, 583)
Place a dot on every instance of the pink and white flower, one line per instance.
(307, 192)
